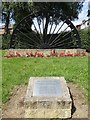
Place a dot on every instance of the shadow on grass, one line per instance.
(73, 105)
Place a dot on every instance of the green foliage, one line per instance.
(17, 71)
(19, 10)
(70, 9)
(22, 9)
(6, 9)
(6, 41)
(85, 38)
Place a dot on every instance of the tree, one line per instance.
(22, 9)
(18, 10)
(6, 15)
(70, 9)
(88, 9)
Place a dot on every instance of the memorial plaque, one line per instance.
(47, 97)
(47, 88)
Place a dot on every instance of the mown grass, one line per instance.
(16, 71)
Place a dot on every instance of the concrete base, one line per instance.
(58, 106)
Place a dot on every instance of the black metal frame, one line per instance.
(37, 39)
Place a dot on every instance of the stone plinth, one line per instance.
(44, 51)
(47, 97)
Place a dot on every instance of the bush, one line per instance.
(85, 39)
(6, 41)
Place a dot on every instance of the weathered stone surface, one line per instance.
(47, 113)
(45, 106)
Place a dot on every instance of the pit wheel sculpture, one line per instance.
(45, 31)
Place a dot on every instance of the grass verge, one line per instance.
(16, 71)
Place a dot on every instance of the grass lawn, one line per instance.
(16, 71)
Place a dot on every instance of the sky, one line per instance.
(82, 15)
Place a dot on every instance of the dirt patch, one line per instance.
(14, 108)
(80, 105)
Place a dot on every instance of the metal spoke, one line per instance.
(35, 28)
(59, 29)
(37, 32)
(40, 30)
(68, 33)
(52, 33)
(51, 27)
(61, 41)
(25, 40)
(46, 29)
(34, 35)
(27, 37)
(29, 45)
(23, 43)
(39, 26)
(27, 24)
(62, 44)
(43, 22)
(61, 26)
(63, 37)
(51, 24)
(58, 36)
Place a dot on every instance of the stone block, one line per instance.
(47, 97)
